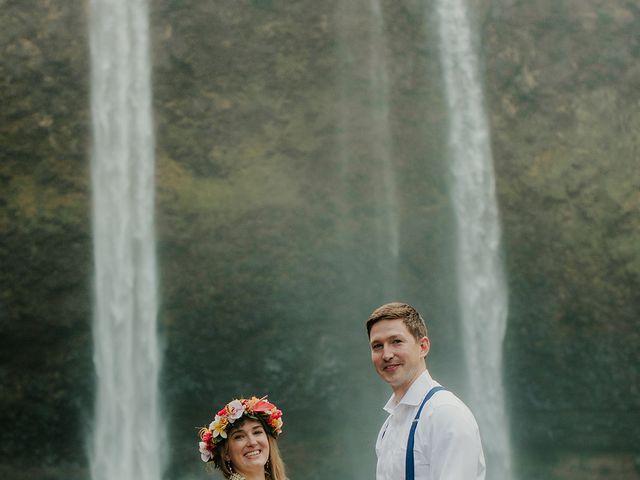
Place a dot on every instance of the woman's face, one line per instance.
(248, 447)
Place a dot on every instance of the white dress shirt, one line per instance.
(447, 440)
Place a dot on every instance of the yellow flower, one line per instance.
(276, 424)
(249, 404)
(218, 426)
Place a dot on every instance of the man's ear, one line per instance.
(425, 345)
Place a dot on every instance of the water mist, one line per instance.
(387, 222)
(365, 140)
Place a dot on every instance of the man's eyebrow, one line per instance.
(390, 337)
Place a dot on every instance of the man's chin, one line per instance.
(390, 377)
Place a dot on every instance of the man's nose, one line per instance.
(387, 354)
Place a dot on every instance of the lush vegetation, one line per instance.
(270, 245)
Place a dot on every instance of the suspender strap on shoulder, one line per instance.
(409, 465)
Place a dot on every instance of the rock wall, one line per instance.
(269, 251)
(45, 244)
(562, 79)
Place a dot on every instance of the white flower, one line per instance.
(235, 409)
(205, 454)
(218, 426)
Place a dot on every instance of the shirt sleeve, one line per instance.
(456, 447)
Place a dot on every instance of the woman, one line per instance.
(241, 440)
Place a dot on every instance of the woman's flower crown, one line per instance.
(255, 408)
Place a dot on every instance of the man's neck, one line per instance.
(400, 391)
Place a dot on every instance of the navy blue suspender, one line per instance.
(409, 466)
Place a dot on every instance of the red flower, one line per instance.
(263, 407)
(276, 414)
(207, 436)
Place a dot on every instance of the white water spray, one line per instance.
(482, 288)
(365, 137)
(387, 222)
(128, 435)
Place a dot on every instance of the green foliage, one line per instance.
(269, 246)
(560, 84)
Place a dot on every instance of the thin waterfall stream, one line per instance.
(481, 283)
(365, 137)
(387, 219)
(127, 431)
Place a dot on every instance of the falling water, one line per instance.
(365, 127)
(128, 434)
(482, 290)
(387, 221)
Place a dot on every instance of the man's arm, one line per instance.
(456, 447)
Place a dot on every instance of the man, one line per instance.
(446, 439)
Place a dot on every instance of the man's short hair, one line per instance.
(399, 311)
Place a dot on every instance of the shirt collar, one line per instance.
(414, 395)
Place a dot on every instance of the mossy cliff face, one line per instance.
(562, 81)
(45, 245)
(267, 197)
(269, 247)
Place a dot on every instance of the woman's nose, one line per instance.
(251, 439)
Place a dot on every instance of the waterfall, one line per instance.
(482, 288)
(365, 140)
(128, 436)
(387, 218)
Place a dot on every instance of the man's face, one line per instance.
(396, 355)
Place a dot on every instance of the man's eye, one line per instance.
(397, 340)
(377, 346)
